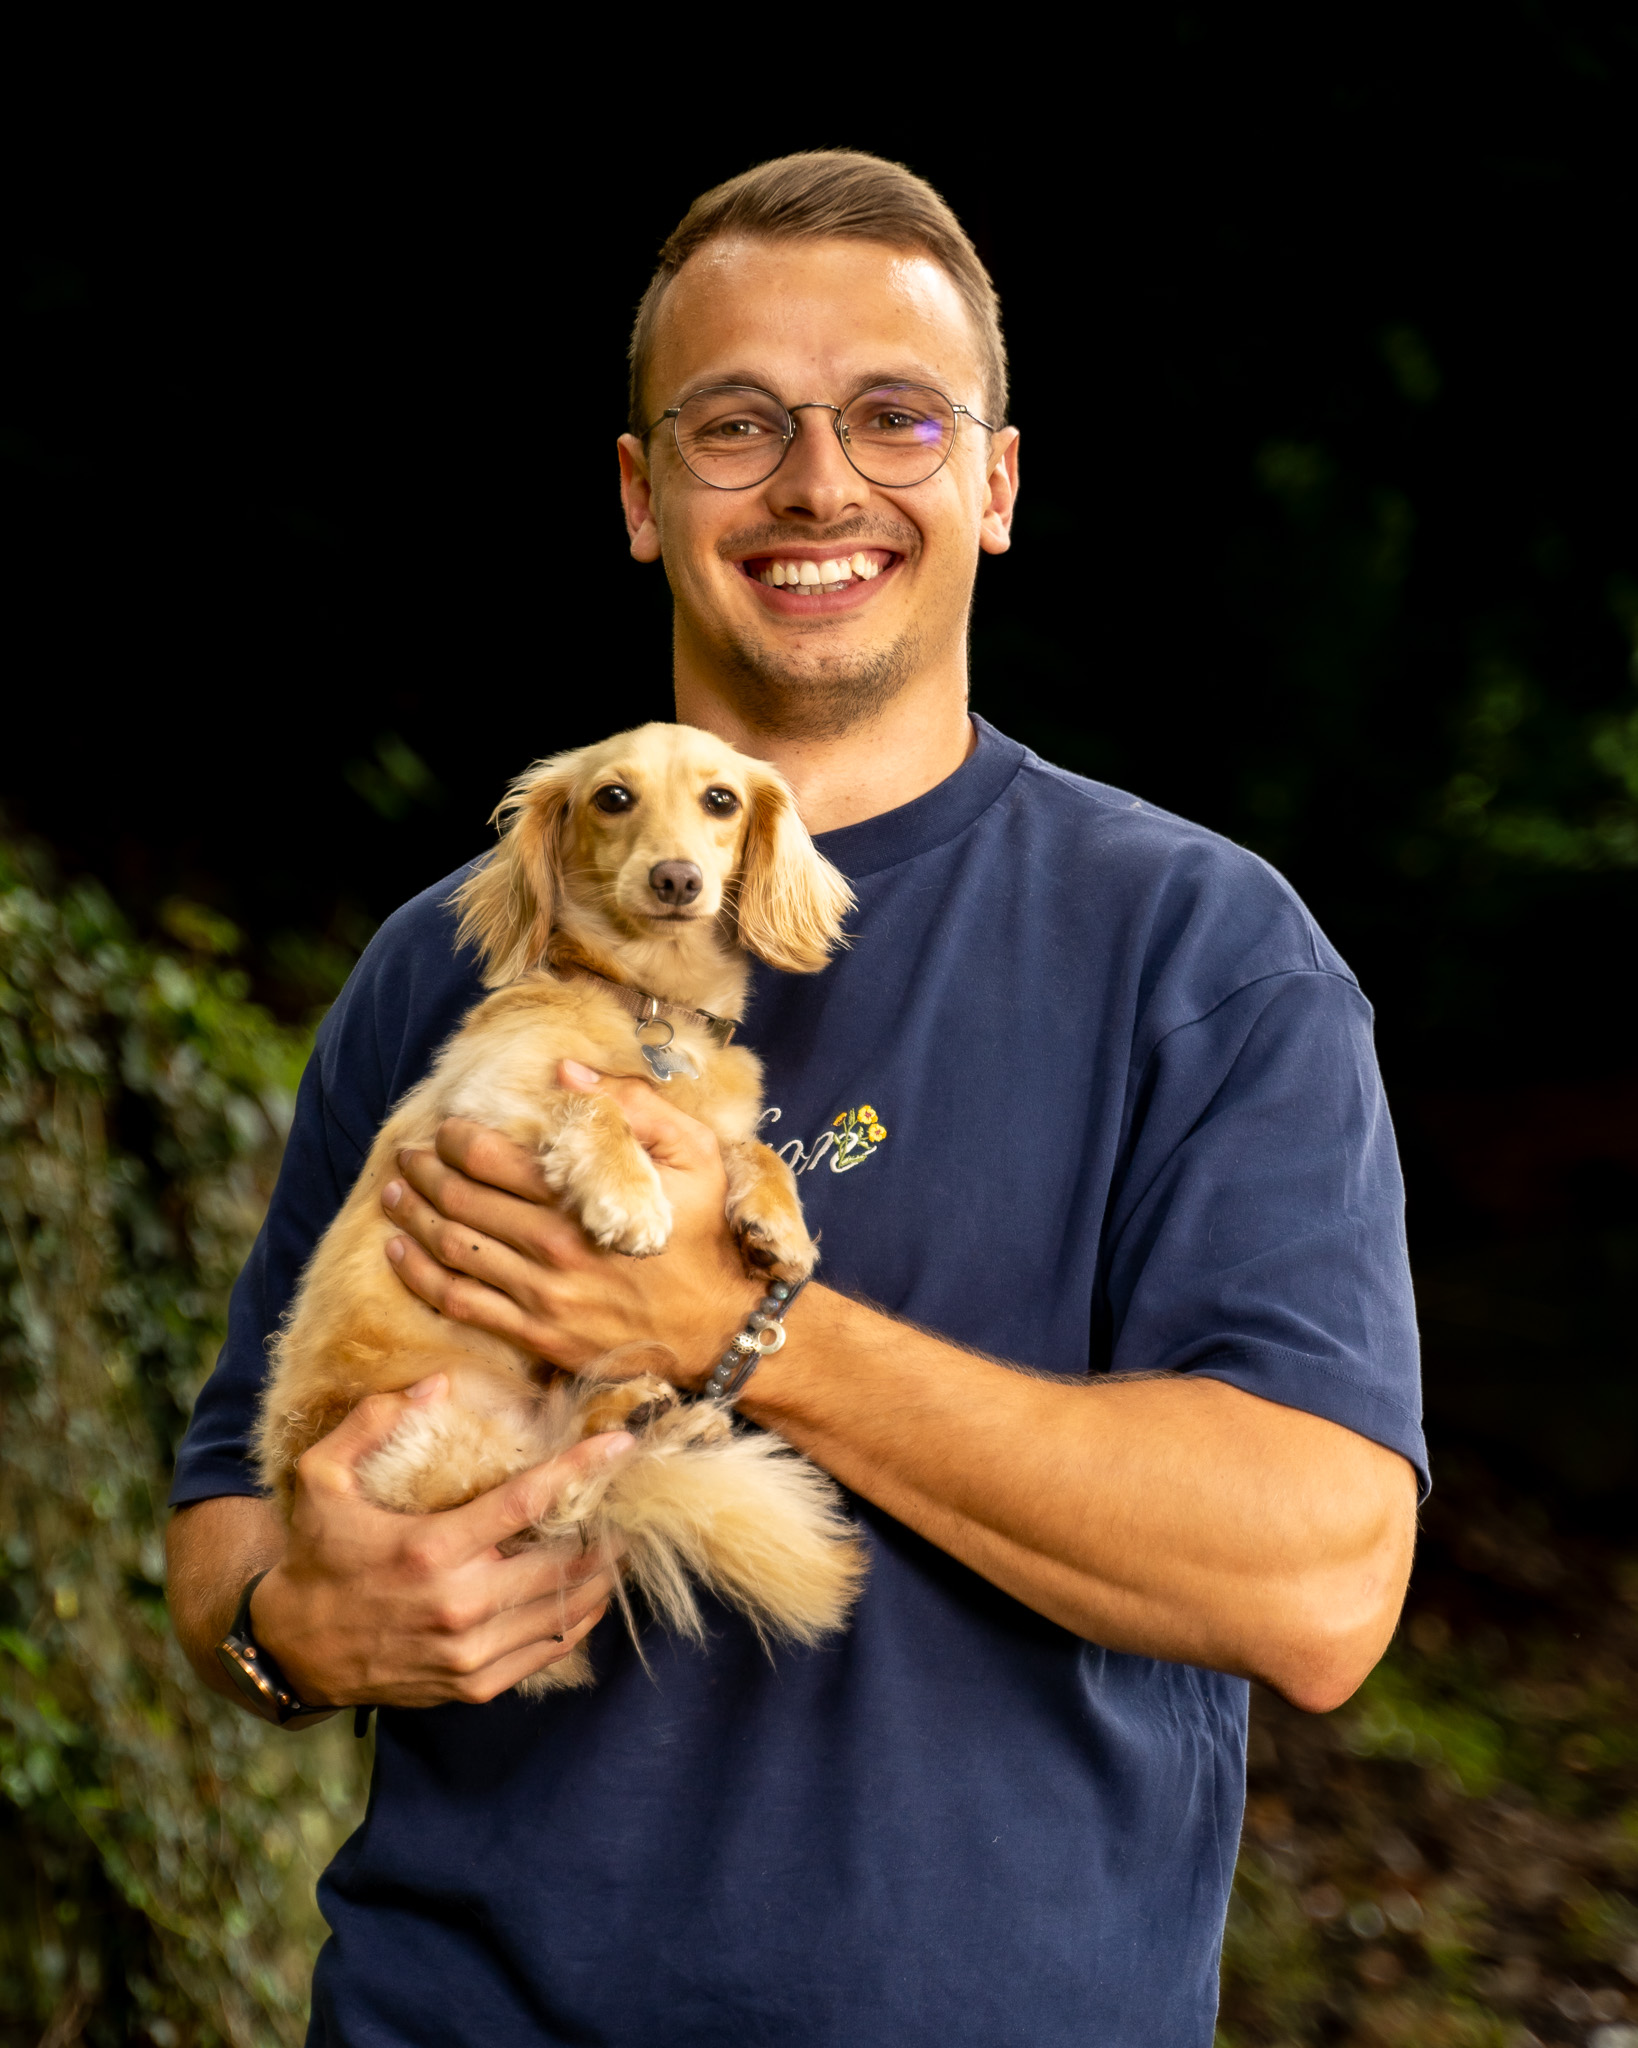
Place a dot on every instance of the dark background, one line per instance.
(1324, 344)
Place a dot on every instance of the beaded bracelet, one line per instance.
(763, 1333)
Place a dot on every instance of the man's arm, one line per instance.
(213, 1549)
(1172, 1517)
(361, 1606)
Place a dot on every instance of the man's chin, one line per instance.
(818, 698)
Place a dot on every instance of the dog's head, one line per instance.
(665, 831)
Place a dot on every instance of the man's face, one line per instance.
(820, 320)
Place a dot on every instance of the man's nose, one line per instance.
(816, 478)
(675, 883)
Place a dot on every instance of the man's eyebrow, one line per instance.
(716, 377)
(901, 373)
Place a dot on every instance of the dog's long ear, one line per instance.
(507, 902)
(791, 901)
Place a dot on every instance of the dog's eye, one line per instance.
(614, 797)
(721, 803)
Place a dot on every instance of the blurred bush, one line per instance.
(158, 1849)
(1452, 1860)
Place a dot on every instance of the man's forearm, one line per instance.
(213, 1549)
(1176, 1518)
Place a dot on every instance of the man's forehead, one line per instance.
(754, 310)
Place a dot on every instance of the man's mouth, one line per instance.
(817, 576)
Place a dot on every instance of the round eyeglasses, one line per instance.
(734, 436)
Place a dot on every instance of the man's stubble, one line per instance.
(786, 700)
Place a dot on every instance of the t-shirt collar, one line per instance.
(945, 811)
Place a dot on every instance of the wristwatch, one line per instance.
(266, 1689)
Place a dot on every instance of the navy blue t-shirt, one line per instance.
(1088, 1091)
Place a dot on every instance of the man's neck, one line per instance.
(909, 747)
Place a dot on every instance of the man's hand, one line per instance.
(1180, 1518)
(367, 1606)
(484, 1244)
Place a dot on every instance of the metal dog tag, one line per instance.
(666, 1062)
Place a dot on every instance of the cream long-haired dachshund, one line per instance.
(614, 920)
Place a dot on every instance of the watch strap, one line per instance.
(264, 1686)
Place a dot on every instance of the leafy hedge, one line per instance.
(1453, 1859)
(157, 1848)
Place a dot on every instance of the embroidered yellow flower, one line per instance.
(876, 1134)
(842, 1119)
(867, 1115)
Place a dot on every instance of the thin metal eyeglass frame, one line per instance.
(817, 405)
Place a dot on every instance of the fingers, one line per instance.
(474, 1670)
(544, 1626)
(331, 1464)
(464, 1299)
(673, 1138)
(485, 1155)
(520, 1502)
(461, 1247)
(470, 1205)
(510, 1670)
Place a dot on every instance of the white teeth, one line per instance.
(813, 575)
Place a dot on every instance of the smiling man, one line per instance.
(1112, 1344)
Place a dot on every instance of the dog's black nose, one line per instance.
(675, 882)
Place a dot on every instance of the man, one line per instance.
(1088, 1090)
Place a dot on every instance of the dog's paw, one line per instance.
(693, 1425)
(636, 1221)
(765, 1213)
(782, 1255)
(608, 1183)
(627, 1404)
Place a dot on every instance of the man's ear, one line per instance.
(1001, 489)
(637, 500)
(507, 902)
(791, 901)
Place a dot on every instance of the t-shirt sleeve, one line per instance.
(321, 1162)
(1259, 1237)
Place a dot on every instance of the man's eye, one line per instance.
(721, 803)
(614, 797)
(733, 430)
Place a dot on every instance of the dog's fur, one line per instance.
(568, 888)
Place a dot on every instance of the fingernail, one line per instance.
(617, 1443)
(580, 1076)
(395, 1250)
(393, 1193)
(434, 1383)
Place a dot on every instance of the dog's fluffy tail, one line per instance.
(748, 1518)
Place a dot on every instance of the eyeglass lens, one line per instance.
(733, 436)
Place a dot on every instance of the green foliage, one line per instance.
(396, 781)
(158, 1849)
(1540, 784)
(1453, 1857)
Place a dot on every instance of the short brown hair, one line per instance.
(831, 192)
